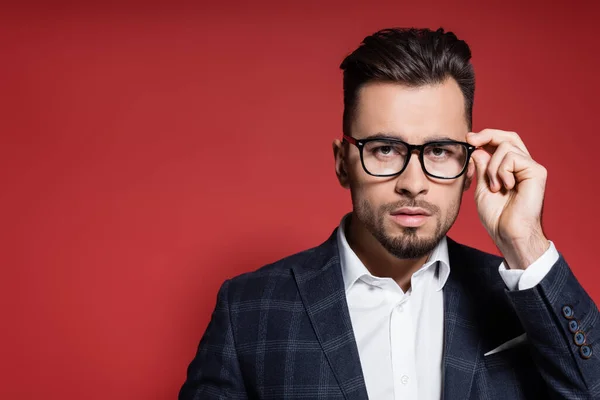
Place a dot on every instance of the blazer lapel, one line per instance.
(461, 338)
(321, 288)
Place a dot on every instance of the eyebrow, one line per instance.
(395, 136)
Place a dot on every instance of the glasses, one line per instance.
(446, 159)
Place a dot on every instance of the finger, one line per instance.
(481, 158)
(506, 176)
(516, 167)
(497, 157)
(492, 138)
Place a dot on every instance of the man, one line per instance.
(389, 307)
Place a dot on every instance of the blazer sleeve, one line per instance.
(563, 327)
(215, 373)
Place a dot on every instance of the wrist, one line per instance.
(521, 253)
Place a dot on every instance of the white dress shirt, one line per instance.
(400, 335)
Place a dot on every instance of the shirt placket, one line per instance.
(402, 341)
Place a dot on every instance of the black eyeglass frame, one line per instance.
(360, 144)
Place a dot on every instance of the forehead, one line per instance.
(414, 114)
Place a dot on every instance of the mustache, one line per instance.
(388, 208)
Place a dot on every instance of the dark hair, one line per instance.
(410, 56)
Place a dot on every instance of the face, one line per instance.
(383, 205)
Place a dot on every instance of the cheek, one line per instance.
(372, 190)
(453, 205)
(448, 197)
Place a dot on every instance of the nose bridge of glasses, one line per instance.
(418, 159)
(414, 148)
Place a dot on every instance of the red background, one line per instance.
(150, 151)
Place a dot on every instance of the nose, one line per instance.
(413, 182)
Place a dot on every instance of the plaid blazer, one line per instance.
(284, 332)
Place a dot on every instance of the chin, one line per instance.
(421, 233)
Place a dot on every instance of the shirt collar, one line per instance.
(353, 269)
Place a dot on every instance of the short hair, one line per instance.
(410, 56)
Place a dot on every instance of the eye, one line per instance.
(384, 150)
(439, 151)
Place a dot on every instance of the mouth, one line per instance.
(410, 217)
(411, 211)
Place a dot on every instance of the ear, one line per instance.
(469, 175)
(340, 163)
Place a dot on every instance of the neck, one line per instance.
(377, 259)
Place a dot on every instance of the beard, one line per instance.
(409, 244)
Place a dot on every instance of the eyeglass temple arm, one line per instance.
(349, 139)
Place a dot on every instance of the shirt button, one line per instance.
(404, 380)
(400, 308)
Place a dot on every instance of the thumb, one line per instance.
(481, 158)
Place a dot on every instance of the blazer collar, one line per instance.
(462, 340)
(321, 288)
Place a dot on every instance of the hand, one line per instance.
(509, 195)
